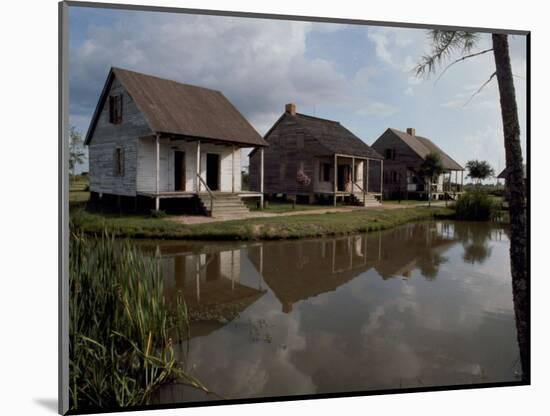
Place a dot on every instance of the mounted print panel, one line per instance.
(272, 208)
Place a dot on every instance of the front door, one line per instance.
(213, 171)
(179, 171)
(343, 177)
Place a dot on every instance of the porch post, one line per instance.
(381, 179)
(364, 191)
(456, 181)
(335, 177)
(461, 181)
(261, 177)
(352, 174)
(233, 169)
(157, 172)
(367, 177)
(198, 187)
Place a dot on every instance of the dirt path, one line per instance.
(200, 219)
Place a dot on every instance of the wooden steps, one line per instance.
(370, 200)
(223, 205)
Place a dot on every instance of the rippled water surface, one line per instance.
(421, 305)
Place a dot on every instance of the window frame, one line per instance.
(390, 152)
(324, 172)
(115, 109)
(118, 161)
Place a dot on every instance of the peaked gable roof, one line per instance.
(423, 146)
(330, 134)
(335, 137)
(181, 109)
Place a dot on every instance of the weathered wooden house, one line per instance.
(162, 140)
(403, 154)
(313, 159)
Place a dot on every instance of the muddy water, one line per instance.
(426, 304)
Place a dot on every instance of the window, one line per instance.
(395, 176)
(119, 162)
(389, 154)
(324, 172)
(115, 109)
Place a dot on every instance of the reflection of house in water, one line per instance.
(209, 282)
(413, 246)
(296, 271)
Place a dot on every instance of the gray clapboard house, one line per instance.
(159, 139)
(312, 158)
(403, 154)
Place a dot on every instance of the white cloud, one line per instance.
(396, 46)
(377, 109)
(259, 65)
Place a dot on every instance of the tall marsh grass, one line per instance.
(121, 330)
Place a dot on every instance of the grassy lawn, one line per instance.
(296, 226)
(272, 228)
(78, 189)
(127, 225)
(78, 197)
(404, 202)
(283, 207)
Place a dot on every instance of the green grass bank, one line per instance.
(271, 228)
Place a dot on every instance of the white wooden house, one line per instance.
(156, 138)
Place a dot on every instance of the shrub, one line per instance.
(475, 205)
(158, 214)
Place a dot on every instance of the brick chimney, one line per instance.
(411, 131)
(290, 108)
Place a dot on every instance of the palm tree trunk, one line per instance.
(516, 186)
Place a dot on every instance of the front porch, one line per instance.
(175, 167)
(444, 188)
(357, 179)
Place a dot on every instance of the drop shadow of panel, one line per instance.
(48, 404)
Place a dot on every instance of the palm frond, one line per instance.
(444, 44)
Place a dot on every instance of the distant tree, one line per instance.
(479, 170)
(245, 180)
(76, 150)
(430, 169)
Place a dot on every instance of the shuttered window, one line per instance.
(389, 154)
(115, 109)
(324, 173)
(118, 159)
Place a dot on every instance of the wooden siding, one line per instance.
(395, 169)
(146, 172)
(319, 185)
(283, 158)
(107, 137)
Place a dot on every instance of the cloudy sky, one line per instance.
(359, 75)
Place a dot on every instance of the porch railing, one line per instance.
(354, 184)
(209, 192)
(452, 187)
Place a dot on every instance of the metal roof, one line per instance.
(423, 146)
(180, 109)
